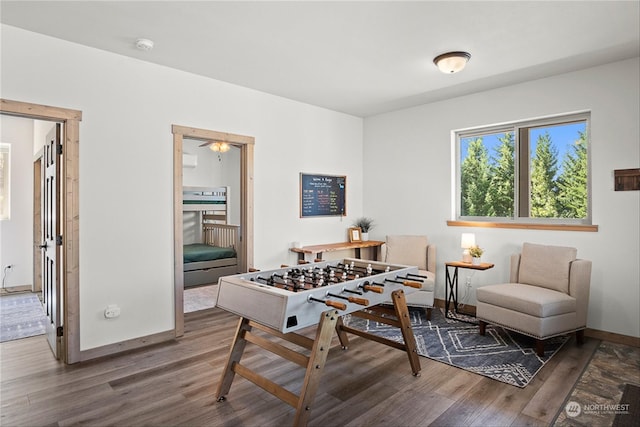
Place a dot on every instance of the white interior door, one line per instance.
(52, 237)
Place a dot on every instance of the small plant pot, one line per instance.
(365, 237)
(475, 261)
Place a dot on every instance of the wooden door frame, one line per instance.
(37, 225)
(70, 264)
(246, 145)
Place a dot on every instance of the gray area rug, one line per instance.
(21, 316)
(500, 354)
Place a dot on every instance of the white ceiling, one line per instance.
(359, 57)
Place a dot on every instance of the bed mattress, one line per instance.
(198, 252)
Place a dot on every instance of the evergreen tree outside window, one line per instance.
(533, 171)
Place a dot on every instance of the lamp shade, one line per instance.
(467, 240)
(452, 62)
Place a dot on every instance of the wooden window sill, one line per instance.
(524, 226)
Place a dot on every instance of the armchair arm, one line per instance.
(515, 268)
(579, 286)
(431, 258)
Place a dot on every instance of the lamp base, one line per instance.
(466, 256)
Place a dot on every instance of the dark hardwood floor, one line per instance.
(175, 384)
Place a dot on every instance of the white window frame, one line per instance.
(515, 126)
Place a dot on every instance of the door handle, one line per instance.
(44, 246)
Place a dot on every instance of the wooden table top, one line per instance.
(460, 264)
(340, 246)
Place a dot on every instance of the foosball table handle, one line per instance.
(336, 304)
(376, 289)
(359, 301)
(411, 284)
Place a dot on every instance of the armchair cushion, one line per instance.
(546, 266)
(533, 300)
(407, 250)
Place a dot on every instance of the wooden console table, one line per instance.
(318, 250)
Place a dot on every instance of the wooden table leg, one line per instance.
(317, 360)
(402, 312)
(235, 354)
(342, 335)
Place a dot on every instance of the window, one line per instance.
(533, 171)
(5, 154)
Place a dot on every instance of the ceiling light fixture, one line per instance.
(218, 147)
(221, 147)
(144, 44)
(452, 62)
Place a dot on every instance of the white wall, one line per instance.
(126, 149)
(16, 244)
(407, 170)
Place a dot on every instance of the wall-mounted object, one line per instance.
(189, 160)
(627, 179)
(323, 195)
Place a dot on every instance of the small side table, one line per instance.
(451, 285)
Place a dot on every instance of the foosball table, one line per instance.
(283, 301)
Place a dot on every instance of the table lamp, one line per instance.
(468, 240)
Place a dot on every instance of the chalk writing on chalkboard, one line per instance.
(322, 195)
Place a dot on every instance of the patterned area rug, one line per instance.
(500, 354)
(21, 316)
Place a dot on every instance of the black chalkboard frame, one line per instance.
(306, 212)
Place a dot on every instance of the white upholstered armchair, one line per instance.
(414, 251)
(548, 295)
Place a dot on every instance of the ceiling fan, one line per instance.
(219, 146)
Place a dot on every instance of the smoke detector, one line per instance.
(144, 44)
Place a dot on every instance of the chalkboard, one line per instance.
(322, 195)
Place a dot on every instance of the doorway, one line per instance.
(245, 194)
(69, 342)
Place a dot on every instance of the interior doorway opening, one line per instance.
(243, 195)
(67, 290)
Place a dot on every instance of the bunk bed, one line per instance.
(215, 255)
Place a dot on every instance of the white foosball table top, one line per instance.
(280, 299)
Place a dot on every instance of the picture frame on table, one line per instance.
(355, 234)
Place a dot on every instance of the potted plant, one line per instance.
(365, 225)
(475, 252)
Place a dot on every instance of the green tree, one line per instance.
(475, 180)
(500, 193)
(543, 185)
(572, 184)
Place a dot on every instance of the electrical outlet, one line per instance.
(112, 311)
